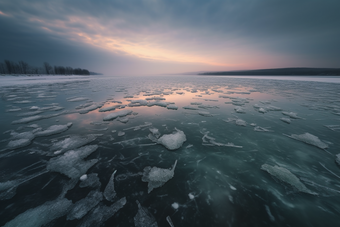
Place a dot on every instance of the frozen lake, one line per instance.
(169, 151)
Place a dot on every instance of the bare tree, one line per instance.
(9, 66)
(2, 68)
(24, 66)
(47, 68)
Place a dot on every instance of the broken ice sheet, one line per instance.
(286, 176)
(92, 181)
(144, 218)
(210, 141)
(83, 206)
(102, 213)
(291, 115)
(239, 109)
(286, 120)
(121, 113)
(54, 129)
(71, 142)
(157, 177)
(337, 159)
(109, 191)
(171, 141)
(42, 214)
(71, 163)
(309, 139)
(261, 129)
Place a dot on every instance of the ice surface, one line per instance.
(286, 176)
(121, 113)
(309, 139)
(291, 115)
(157, 177)
(71, 163)
(173, 141)
(91, 181)
(71, 142)
(102, 213)
(144, 218)
(41, 215)
(83, 206)
(286, 120)
(54, 129)
(109, 192)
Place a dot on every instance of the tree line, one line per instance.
(21, 67)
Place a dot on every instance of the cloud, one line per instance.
(221, 34)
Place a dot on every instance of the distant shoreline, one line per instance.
(279, 72)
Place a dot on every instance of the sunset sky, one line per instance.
(155, 37)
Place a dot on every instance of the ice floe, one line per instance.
(337, 159)
(285, 120)
(91, 181)
(286, 176)
(171, 141)
(172, 107)
(291, 115)
(144, 218)
(205, 113)
(54, 129)
(71, 163)
(239, 109)
(101, 213)
(157, 177)
(109, 192)
(309, 139)
(77, 99)
(210, 141)
(109, 108)
(42, 214)
(261, 129)
(120, 113)
(72, 142)
(83, 206)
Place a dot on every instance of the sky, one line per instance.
(151, 37)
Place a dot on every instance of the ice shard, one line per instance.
(144, 218)
(309, 139)
(109, 192)
(157, 177)
(286, 176)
